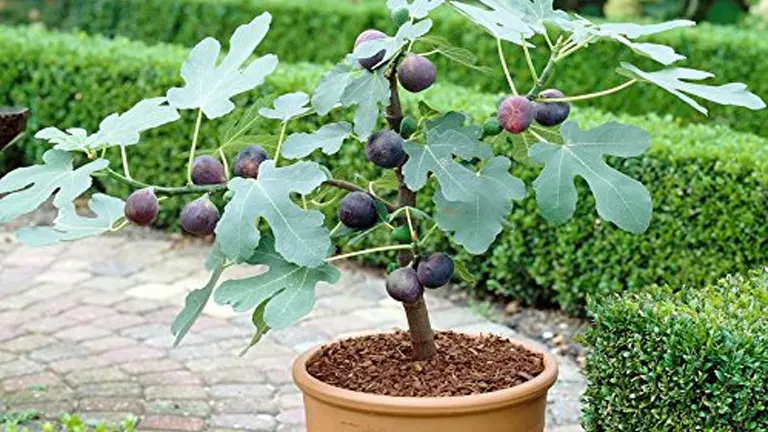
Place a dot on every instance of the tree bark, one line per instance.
(419, 327)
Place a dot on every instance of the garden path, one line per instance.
(84, 328)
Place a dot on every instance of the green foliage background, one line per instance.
(680, 359)
(709, 184)
(728, 51)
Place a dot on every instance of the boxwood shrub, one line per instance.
(690, 359)
(709, 183)
(299, 34)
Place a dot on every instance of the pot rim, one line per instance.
(425, 406)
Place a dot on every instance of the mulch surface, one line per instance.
(464, 365)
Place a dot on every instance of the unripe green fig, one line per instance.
(492, 127)
(403, 285)
(200, 217)
(515, 114)
(408, 127)
(553, 113)
(207, 170)
(385, 149)
(401, 234)
(142, 207)
(358, 210)
(416, 73)
(401, 16)
(248, 161)
(435, 271)
(370, 63)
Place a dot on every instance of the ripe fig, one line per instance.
(551, 114)
(369, 35)
(403, 285)
(385, 149)
(515, 114)
(200, 217)
(207, 170)
(492, 127)
(142, 207)
(416, 73)
(408, 127)
(435, 271)
(248, 161)
(358, 210)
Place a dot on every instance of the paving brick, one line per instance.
(28, 343)
(88, 313)
(181, 377)
(81, 333)
(93, 376)
(94, 297)
(293, 416)
(63, 277)
(565, 428)
(194, 352)
(53, 306)
(451, 318)
(108, 343)
(131, 354)
(291, 400)
(262, 391)
(52, 410)
(145, 331)
(246, 405)
(173, 423)
(36, 395)
(49, 325)
(76, 364)
(137, 306)
(24, 257)
(110, 405)
(210, 364)
(44, 379)
(58, 351)
(107, 389)
(251, 422)
(113, 267)
(234, 376)
(107, 284)
(6, 357)
(154, 291)
(119, 321)
(175, 392)
(181, 407)
(151, 366)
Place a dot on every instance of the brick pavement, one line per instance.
(85, 329)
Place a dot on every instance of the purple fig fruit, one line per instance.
(200, 217)
(358, 210)
(403, 285)
(248, 161)
(369, 35)
(142, 207)
(416, 73)
(435, 271)
(515, 114)
(207, 170)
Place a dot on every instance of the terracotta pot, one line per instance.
(333, 409)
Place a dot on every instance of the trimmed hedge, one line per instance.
(302, 33)
(709, 184)
(688, 360)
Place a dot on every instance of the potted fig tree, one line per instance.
(418, 380)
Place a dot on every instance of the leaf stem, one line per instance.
(529, 61)
(224, 162)
(548, 70)
(193, 149)
(280, 142)
(370, 251)
(124, 156)
(572, 49)
(506, 68)
(429, 233)
(611, 90)
(538, 137)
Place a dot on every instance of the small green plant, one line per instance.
(15, 418)
(272, 214)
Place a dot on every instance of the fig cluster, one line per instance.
(407, 284)
(516, 113)
(357, 210)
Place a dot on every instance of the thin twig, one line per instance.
(529, 61)
(505, 67)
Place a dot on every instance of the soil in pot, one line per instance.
(464, 365)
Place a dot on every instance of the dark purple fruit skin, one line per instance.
(385, 149)
(515, 114)
(199, 217)
(435, 271)
(366, 36)
(248, 161)
(207, 170)
(142, 207)
(403, 285)
(551, 114)
(416, 73)
(358, 210)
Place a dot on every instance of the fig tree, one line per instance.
(435, 271)
(248, 161)
(369, 35)
(142, 207)
(416, 73)
(551, 113)
(515, 114)
(385, 149)
(200, 217)
(207, 170)
(358, 210)
(403, 285)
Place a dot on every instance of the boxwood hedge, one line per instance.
(301, 33)
(709, 184)
(693, 359)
